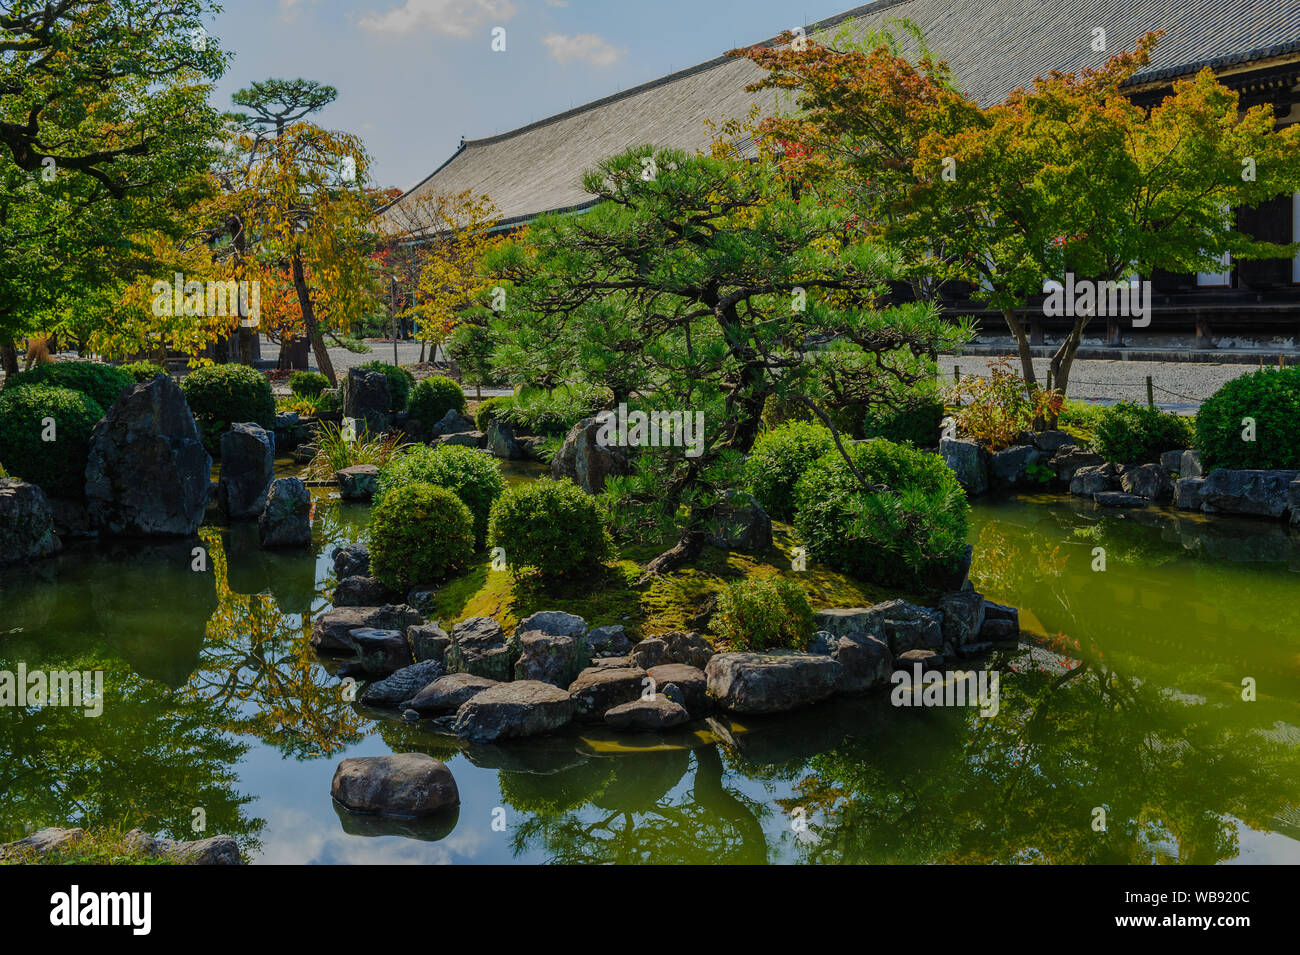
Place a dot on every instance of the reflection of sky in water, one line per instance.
(1178, 615)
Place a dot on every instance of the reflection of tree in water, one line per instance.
(258, 667)
(152, 756)
(623, 810)
(1023, 785)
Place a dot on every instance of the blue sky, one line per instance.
(415, 75)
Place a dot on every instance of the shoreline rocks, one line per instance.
(26, 523)
(247, 470)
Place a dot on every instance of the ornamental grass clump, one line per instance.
(334, 450)
(764, 614)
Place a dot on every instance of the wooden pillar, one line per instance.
(1114, 332)
(1204, 336)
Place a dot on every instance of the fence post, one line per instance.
(1151, 395)
(956, 374)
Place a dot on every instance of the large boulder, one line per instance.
(648, 714)
(550, 658)
(1190, 465)
(1094, 480)
(1007, 467)
(285, 520)
(453, 422)
(963, 617)
(500, 440)
(1172, 461)
(247, 470)
(479, 646)
(26, 523)
(1070, 459)
(1001, 623)
(850, 622)
(367, 398)
(1150, 481)
(597, 689)
(381, 652)
(507, 710)
(1260, 493)
(687, 647)
(428, 641)
(1187, 493)
(692, 682)
(402, 684)
(865, 662)
(214, 850)
(611, 641)
(351, 560)
(650, 652)
(739, 523)
(447, 693)
(771, 682)
(968, 461)
(557, 623)
(584, 461)
(905, 626)
(331, 632)
(403, 784)
(362, 592)
(148, 472)
(1052, 441)
(358, 482)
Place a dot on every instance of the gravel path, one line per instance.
(1178, 386)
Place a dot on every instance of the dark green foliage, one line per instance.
(918, 422)
(141, 371)
(307, 384)
(1270, 397)
(470, 346)
(764, 614)
(778, 459)
(901, 536)
(552, 526)
(1128, 433)
(400, 383)
(490, 410)
(420, 533)
(222, 395)
(471, 475)
(103, 383)
(434, 397)
(58, 466)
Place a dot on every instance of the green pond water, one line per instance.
(1127, 698)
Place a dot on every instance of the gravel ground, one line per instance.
(1178, 386)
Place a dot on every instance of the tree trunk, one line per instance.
(8, 356)
(688, 547)
(309, 323)
(1022, 345)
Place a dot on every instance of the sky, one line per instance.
(414, 76)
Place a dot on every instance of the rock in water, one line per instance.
(1262, 493)
(351, 560)
(358, 482)
(148, 472)
(247, 470)
(447, 693)
(655, 713)
(404, 784)
(599, 689)
(500, 440)
(479, 646)
(549, 658)
(522, 708)
(402, 684)
(968, 461)
(690, 682)
(26, 523)
(286, 518)
(771, 682)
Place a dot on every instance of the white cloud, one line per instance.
(452, 17)
(557, 3)
(596, 50)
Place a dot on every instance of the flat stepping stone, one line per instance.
(647, 715)
(446, 694)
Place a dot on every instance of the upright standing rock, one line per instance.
(366, 397)
(286, 518)
(247, 470)
(26, 522)
(148, 472)
(586, 462)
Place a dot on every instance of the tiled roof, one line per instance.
(993, 46)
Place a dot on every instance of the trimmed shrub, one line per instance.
(222, 395)
(307, 384)
(400, 383)
(902, 536)
(918, 422)
(1271, 397)
(553, 526)
(778, 459)
(764, 615)
(58, 466)
(102, 383)
(434, 397)
(1128, 433)
(143, 371)
(490, 410)
(419, 533)
(471, 475)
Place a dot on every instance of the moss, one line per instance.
(108, 847)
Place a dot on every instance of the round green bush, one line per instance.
(142, 371)
(434, 397)
(553, 526)
(1129, 433)
(777, 460)
(902, 536)
(490, 410)
(58, 466)
(471, 475)
(918, 422)
(307, 384)
(1271, 397)
(222, 395)
(103, 383)
(400, 383)
(419, 533)
(760, 614)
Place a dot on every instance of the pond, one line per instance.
(1128, 702)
